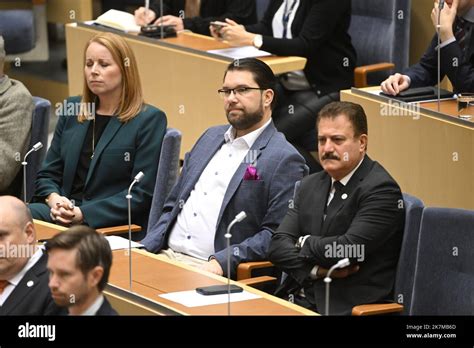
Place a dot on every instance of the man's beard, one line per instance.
(246, 120)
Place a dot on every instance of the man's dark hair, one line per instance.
(262, 74)
(354, 112)
(92, 250)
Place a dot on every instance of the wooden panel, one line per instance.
(429, 157)
(60, 11)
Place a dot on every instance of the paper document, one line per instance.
(118, 243)
(192, 299)
(118, 20)
(240, 52)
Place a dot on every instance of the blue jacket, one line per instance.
(265, 201)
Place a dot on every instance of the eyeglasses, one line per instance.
(239, 91)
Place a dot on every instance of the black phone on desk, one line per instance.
(218, 289)
(155, 31)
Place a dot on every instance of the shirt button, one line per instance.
(195, 214)
(217, 173)
(205, 193)
(230, 155)
(189, 237)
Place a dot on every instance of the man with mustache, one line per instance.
(353, 209)
(23, 274)
(247, 166)
(457, 52)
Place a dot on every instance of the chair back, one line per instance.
(39, 133)
(167, 173)
(380, 32)
(444, 273)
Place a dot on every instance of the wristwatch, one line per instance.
(258, 41)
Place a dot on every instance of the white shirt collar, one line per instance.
(31, 262)
(93, 309)
(469, 16)
(348, 177)
(249, 138)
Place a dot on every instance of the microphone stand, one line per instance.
(137, 178)
(438, 30)
(161, 16)
(35, 148)
(241, 216)
(341, 264)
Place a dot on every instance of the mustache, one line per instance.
(330, 155)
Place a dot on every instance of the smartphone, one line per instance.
(219, 25)
(218, 289)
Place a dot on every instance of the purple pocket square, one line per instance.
(251, 173)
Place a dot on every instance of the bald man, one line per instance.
(23, 275)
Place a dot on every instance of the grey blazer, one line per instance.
(265, 200)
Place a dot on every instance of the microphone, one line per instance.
(341, 264)
(238, 218)
(438, 29)
(137, 179)
(35, 148)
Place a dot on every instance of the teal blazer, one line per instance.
(123, 150)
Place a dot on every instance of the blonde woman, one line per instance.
(102, 140)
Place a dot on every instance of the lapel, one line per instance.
(22, 289)
(356, 178)
(259, 144)
(74, 152)
(109, 132)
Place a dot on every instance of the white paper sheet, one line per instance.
(193, 299)
(240, 52)
(118, 243)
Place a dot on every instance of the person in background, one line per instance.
(79, 266)
(16, 112)
(457, 52)
(23, 275)
(196, 15)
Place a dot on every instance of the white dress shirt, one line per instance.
(277, 23)
(195, 228)
(19, 276)
(94, 307)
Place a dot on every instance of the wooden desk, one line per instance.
(46, 230)
(430, 154)
(154, 275)
(177, 75)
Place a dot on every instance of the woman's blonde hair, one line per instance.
(131, 96)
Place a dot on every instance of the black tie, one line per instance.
(462, 33)
(336, 199)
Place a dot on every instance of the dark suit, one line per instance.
(241, 11)
(372, 216)
(124, 149)
(106, 309)
(32, 295)
(458, 67)
(320, 33)
(265, 200)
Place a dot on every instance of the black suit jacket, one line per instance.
(241, 11)
(320, 33)
(458, 67)
(106, 309)
(371, 216)
(34, 299)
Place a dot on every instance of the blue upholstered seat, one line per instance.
(444, 274)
